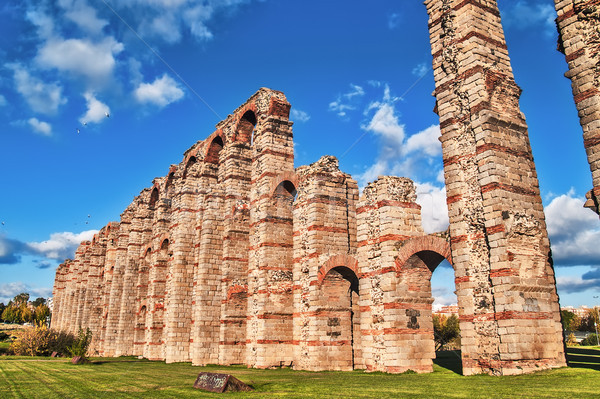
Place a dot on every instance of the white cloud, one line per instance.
(2, 101)
(162, 92)
(386, 123)
(426, 141)
(82, 57)
(299, 116)
(434, 211)
(399, 154)
(42, 97)
(38, 126)
(9, 290)
(571, 284)
(574, 231)
(96, 110)
(84, 16)
(61, 245)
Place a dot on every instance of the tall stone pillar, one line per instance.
(178, 302)
(396, 324)
(58, 295)
(112, 235)
(236, 166)
(270, 307)
(206, 300)
(327, 334)
(579, 40)
(157, 279)
(117, 286)
(508, 306)
(82, 257)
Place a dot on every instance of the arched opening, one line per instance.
(212, 155)
(164, 247)
(245, 128)
(153, 198)
(188, 166)
(286, 192)
(433, 314)
(338, 306)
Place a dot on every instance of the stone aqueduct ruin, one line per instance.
(235, 257)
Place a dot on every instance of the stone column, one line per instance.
(396, 324)
(178, 302)
(270, 306)
(578, 25)
(327, 332)
(117, 286)
(206, 300)
(236, 166)
(112, 236)
(510, 321)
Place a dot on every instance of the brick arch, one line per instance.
(280, 178)
(251, 107)
(426, 244)
(335, 261)
(145, 250)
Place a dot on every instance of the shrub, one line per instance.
(81, 343)
(571, 340)
(4, 336)
(591, 339)
(60, 342)
(32, 341)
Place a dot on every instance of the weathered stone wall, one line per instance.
(578, 25)
(504, 278)
(235, 257)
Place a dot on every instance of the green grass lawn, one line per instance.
(38, 377)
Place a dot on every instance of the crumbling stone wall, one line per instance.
(504, 278)
(578, 26)
(235, 257)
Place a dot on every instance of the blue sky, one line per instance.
(358, 78)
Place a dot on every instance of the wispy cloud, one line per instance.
(40, 127)
(393, 20)
(347, 101)
(42, 97)
(299, 116)
(162, 92)
(529, 13)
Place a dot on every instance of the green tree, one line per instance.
(11, 314)
(23, 297)
(2, 307)
(40, 313)
(26, 313)
(445, 329)
(38, 302)
(567, 319)
(587, 322)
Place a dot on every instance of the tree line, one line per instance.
(20, 310)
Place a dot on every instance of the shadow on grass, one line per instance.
(583, 358)
(450, 360)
